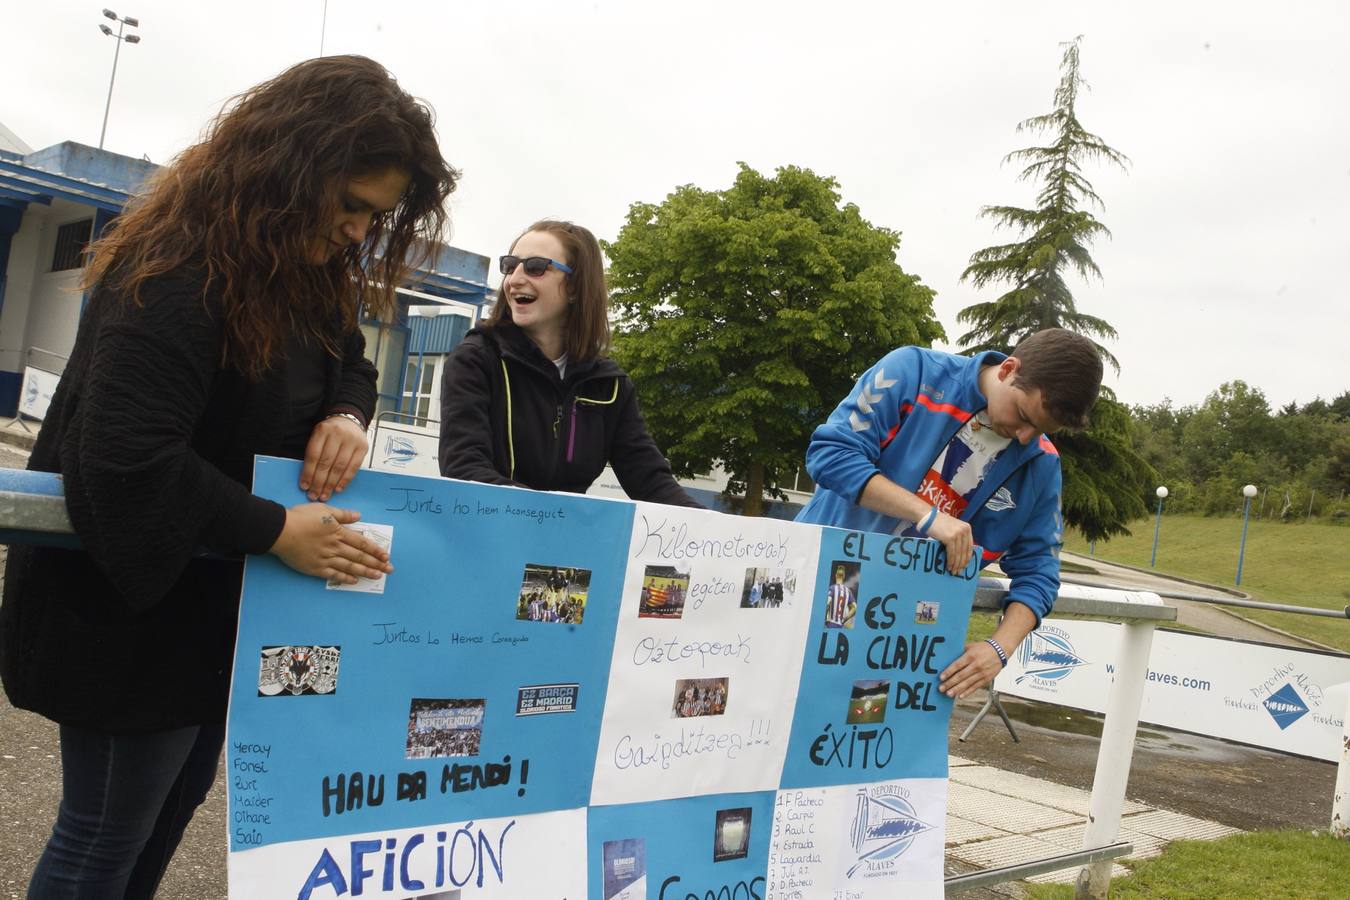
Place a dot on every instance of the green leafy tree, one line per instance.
(1235, 417)
(1340, 407)
(1207, 452)
(1105, 479)
(1338, 462)
(744, 314)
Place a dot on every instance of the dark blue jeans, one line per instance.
(125, 802)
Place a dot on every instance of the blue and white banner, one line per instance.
(1269, 696)
(35, 395)
(562, 696)
(403, 447)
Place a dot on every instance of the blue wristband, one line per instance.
(1002, 657)
(927, 522)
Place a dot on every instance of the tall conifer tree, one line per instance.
(1104, 478)
(1056, 234)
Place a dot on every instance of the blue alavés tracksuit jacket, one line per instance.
(896, 420)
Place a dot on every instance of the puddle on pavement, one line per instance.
(1065, 720)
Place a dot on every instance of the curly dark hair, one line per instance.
(245, 203)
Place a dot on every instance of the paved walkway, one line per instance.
(998, 818)
(19, 433)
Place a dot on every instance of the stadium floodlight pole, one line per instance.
(1248, 493)
(122, 22)
(1157, 524)
(323, 26)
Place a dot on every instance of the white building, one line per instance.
(55, 200)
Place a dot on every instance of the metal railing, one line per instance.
(970, 881)
(1257, 604)
(1139, 613)
(1340, 800)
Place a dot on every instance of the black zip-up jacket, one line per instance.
(508, 418)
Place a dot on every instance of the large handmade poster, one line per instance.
(556, 696)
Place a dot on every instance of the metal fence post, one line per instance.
(1340, 802)
(1114, 756)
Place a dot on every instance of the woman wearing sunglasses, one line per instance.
(222, 324)
(530, 399)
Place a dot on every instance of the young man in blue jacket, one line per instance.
(929, 444)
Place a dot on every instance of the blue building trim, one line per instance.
(49, 182)
(10, 219)
(436, 335)
(23, 197)
(10, 382)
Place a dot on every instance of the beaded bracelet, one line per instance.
(1002, 657)
(349, 417)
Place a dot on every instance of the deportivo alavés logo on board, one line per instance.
(884, 826)
(1285, 706)
(1297, 696)
(398, 451)
(1047, 656)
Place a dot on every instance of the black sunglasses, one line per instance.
(534, 265)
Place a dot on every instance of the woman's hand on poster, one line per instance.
(314, 541)
(336, 447)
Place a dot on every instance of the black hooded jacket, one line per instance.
(508, 418)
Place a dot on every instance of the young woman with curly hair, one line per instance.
(223, 323)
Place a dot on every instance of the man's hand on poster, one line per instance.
(956, 537)
(973, 669)
(980, 662)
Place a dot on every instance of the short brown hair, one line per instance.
(1067, 370)
(588, 318)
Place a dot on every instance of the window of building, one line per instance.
(71, 239)
(422, 398)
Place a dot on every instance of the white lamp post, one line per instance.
(1248, 493)
(1157, 524)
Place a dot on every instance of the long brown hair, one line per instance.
(245, 203)
(588, 317)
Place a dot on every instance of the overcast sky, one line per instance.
(1230, 227)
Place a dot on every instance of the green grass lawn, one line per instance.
(1263, 865)
(1301, 564)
